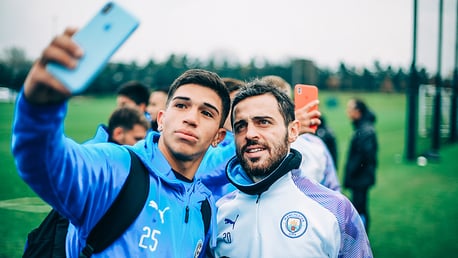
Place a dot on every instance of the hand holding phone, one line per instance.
(303, 95)
(99, 39)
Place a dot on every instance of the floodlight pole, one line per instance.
(435, 143)
(454, 108)
(412, 95)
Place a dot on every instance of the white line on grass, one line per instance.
(26, 204)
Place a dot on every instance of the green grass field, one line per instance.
(414, 209)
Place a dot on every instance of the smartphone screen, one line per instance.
(99, 39)
(304, 94)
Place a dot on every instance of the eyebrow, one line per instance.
(256, 118)
(205, 103)
(262, 117)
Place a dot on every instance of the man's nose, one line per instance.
(251, 131)
(191, 116)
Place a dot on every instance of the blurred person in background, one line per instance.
(134, 94)
(130, 94)
(329, 138)
(361, 163)
(126, 126)
(157, 101)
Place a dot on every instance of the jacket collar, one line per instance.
(238, 177)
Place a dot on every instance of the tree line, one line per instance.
(14, 66)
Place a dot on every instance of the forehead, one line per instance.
(199, 94)
(351, 104)
(158, 96)
(265, 105)
(122, 100)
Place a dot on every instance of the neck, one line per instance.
(262, 183)
(184, 165)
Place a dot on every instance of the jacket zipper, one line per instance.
(257, 199)
(186, 215)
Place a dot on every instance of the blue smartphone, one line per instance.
(99, 39)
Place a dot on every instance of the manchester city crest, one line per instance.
(293, 224)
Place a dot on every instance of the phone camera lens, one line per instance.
(107, 8)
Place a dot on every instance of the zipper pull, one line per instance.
(186, 215)
(257, 199)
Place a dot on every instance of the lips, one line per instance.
(253, 151)
(187, 135)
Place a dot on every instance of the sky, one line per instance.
(357, 32)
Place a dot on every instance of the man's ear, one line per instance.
(293, 130)
(219, 137)
(160, 117)
(118, 134)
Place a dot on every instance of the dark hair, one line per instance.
(126, 117)
(233, 84)
(136, 91)
(162, 88)
(206, 79)
(258, 87)
(366, 113)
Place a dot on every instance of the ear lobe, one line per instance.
(160, 117)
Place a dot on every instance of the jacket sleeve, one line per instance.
(330, 179)
(79, 181)
(354, 240)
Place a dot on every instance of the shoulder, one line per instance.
(226, 198)
(101, 135)
(334, 201)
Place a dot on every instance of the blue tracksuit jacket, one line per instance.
(82, 181)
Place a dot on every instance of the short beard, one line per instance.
(270, 164)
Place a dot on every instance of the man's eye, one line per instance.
(180, 105)
(239, 127)
(206, 113)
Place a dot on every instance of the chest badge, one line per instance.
(293, 224)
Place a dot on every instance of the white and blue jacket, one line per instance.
(82, 181)
(287, 215)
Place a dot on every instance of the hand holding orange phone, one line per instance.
(303, 95)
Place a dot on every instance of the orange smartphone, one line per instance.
(304, 94)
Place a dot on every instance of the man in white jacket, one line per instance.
(277, 211)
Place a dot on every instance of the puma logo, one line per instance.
(154, 205)
(229, 221)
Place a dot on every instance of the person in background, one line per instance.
(81, 181)
(130, 94)
(212, 170)
(276, 211)
(126, 126)
(360, 168)
(157, 101)
(317, 162)
(134, 94)
(329, 138)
